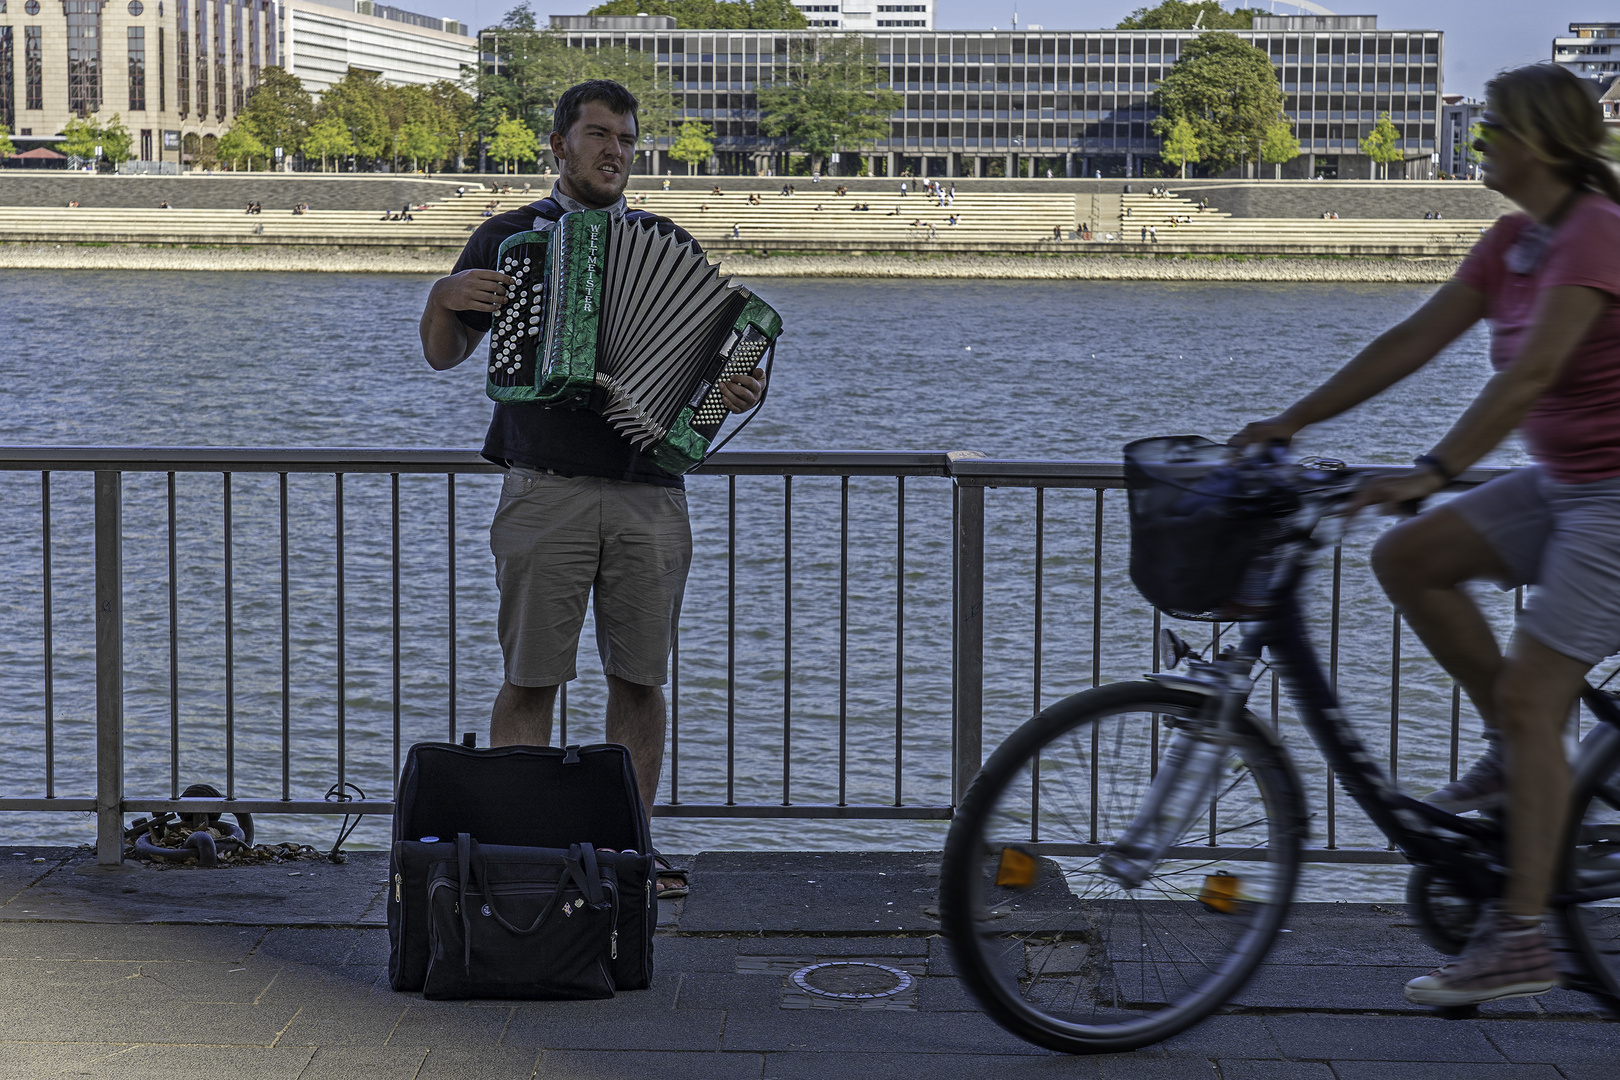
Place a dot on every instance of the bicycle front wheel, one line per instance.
(1590, 884)
(1068, 928)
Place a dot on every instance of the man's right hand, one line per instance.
(1277, 429)
(472, 290)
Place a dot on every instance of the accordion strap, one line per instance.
(770, 358)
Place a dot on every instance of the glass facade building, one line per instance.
(1075, 102)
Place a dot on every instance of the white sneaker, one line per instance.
(1480, 788)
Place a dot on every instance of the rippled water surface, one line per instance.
(1016, 369)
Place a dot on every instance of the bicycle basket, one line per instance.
(1203, 526)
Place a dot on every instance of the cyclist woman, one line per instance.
(1548, 282)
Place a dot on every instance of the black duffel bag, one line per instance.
(533, 923)
(512, 797)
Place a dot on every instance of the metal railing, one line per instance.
(1085, 624)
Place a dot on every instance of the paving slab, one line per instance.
(191, 975)
(312, 893)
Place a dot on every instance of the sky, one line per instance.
(1482, 36)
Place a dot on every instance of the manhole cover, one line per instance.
(851, 980)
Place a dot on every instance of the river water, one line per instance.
(1067, 370)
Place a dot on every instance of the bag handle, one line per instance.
(579, 866)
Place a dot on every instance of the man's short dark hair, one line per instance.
(574, 99)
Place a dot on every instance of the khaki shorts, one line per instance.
(1563, 540)
(556, 539)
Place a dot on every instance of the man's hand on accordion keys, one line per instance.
(742, 392)
(473, 290)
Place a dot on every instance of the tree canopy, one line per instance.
(327, 137)
(1181, 15)
(695, 144)
(1227, 90)
(1380, 143)
(831, 96)
(279, 111)
(535, 66)
(514, 141)
(713, 14)
(81, 136)
(7, 148)
(239, 144)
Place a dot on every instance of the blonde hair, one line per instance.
(1556, 114)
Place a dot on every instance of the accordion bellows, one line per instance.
(614, 316)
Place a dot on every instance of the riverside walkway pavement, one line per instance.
(279, 971)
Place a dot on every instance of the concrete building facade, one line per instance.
(167, 68)
(1458, 115)
(328, 37)
(1592, 50)
(1074, 102)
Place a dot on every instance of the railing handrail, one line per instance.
(965, 467)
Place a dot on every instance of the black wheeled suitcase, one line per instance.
(519, 797)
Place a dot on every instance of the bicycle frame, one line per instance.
(1465, 850)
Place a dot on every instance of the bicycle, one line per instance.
(1102, 892)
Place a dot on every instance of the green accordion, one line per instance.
(613, 316)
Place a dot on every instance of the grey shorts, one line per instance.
(1564, 540)
(556, 540)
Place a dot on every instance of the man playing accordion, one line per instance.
(582, 510)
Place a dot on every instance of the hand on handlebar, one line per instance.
(1273, 430)
(1397, 492)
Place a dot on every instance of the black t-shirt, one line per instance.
(572, 442)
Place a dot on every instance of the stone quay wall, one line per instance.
(273, 191)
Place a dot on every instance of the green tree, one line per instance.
(832, 96)
(514, 141)
(713, 14)
(117, 144)
(360, 102)
(327, 137)
(1200, 14)
(237, 144)
(535, 66)
(1227, 90)
(80, 138)
(7, 148)
(1380, 143)
(420, 143)
(279, 111)
(695, 144)
(1181, 144)
(1277, 144)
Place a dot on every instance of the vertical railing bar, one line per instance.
(1096, 645)
(1395, 696)
(450, 596)
(49, 646)
(174, 645)
(787, 640)
(1276, 701)
(843, 642)
(899, 630)
(675, 715)
(109, 622)
(395, 559)
(1333, 684)
(230, 647)
(342, 655)
(1456, 723)
(1035, 680)
(562, 715)
(731, 640)
(286, 649)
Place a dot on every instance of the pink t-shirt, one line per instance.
(1573, 429)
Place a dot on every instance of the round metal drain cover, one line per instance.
(851, 980)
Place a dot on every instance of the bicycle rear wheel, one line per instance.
(1051, 941)
(1591, 875)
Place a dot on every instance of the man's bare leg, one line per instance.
(1422, 564)
(636, 719)
(522, 716)
(1534, 695)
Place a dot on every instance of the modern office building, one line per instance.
(1458, 115)
(867, 14)
(1073, 101)
(168, 68)
(1592, 50)
(328, 37)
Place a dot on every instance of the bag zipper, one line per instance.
(399, 881)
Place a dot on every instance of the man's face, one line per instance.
(596, 153)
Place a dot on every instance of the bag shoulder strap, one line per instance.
(464, 844)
